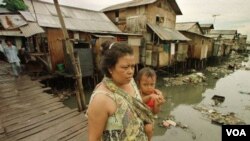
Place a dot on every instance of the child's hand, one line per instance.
(160, 99)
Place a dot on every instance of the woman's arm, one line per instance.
(98, 113)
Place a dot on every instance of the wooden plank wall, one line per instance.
(55, 44)
(28, 113)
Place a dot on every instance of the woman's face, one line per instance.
(123, 71)
(147, 84)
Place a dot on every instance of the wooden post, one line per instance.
(70, 51)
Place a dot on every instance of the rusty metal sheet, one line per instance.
(31, 29)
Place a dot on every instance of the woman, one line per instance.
(116, 111)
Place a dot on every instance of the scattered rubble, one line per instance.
(233, 63)
(194, 78)
(220, 118)
(63, 94)
(170, 121)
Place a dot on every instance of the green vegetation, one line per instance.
(15, 5)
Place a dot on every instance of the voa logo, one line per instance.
(236, 132)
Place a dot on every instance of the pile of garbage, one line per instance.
(220, 118)
(194, 78)
(233, 63)
(170, 121)
(220, 71)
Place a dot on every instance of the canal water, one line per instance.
(181, 101)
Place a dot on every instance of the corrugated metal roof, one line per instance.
(31, 29)
(184, 26)
(12, 21)
(167, 34)
(75, 19)
(189, 27)
(11, 33)
(28, 16)
(103, 36)
(132, 3)
(224, 32)
(243, 36)
(231, 37)
(142, 2)
(212, 36)
(207, 26)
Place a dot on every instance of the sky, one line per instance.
(224, 14)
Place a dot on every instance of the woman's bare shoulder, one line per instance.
(100, 94)
(100, 100)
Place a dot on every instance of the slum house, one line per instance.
(200, 46)
(206, 28)
(21, 33)
(155, 20)
(84, 27)
(14, 27)
(10, 29)
(217, 50)
(217, 43)
(248, 47)
(242, 42)
(228, 38)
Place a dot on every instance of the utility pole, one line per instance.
(74, 60)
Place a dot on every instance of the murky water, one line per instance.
(181, 100)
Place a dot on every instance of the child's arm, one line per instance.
(146, 98)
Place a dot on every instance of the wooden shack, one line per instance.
(242, 42)
(217, 42)
(200, 46)
(228, 38)
(14, 27)
(155, 20)
(217, 45)
(206, 28)
(81, 24)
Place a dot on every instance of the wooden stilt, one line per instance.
(70, 51)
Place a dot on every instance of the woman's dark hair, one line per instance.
(111, 52)
(147, 71)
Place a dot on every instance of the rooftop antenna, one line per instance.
(214, 16)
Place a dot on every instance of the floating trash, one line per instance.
(218, 99)
(219, 118)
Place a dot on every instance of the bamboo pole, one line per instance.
(82, 96)
(70, 51)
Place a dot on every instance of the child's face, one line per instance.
(147, 84)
